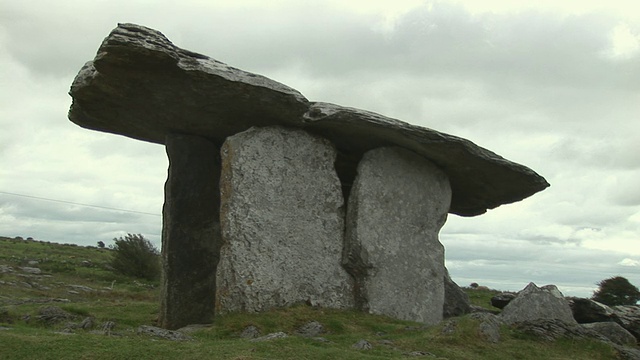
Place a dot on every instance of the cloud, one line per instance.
(629, 262)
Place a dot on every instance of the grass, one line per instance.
(131, 302)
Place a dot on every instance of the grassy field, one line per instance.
(79, 281)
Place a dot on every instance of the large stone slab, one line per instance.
(282, 217)
(190, 232)
(398, 204)
(143, 86)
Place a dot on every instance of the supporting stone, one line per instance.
(190, 231)
(398, 203)
(282, 219)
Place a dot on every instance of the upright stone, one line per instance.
(282, 222)
(398, 203)
(190, 232)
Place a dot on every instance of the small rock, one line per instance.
(2, 328)
(33, 263)
(385, 342)
(81, 288)
(107, 327)
(162, 333)
(310, 329)
(362, 345)
(73, 292)
(420, 353)
(31, 270)
(52, 315)
(272, 336)
(86, 263)
(193, 327)
(449, 327)
(5, 269)
(86, 324)
(321, 339)
(250, 332)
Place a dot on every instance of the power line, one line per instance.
(79, 204)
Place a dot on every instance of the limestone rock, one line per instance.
(269, 337)
(396, 208)
(250, 332)
(310, 329)
(501, 300)
(629, 317)
(162, 333)
(612, 331)
(190, 232)
(142, 86)
(283, 221)
(534, 303)
(553, 329)
(590, 311)
(489, 327)
(456, 301)
(362, 345)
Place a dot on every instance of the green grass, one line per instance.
(132, 302)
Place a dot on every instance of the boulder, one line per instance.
(190, 232)
(397, 206)
(456, 301)
(489, 327)
(612, 331)
(142, 86)
(534, 303)
(503, 299)
(282, 216)
(589, 311)
(629, 317)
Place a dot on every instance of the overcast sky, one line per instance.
(555, 87)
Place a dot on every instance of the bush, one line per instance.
(136, 256)
(616, 291)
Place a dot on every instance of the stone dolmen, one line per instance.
(273, 200)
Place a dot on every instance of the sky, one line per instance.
(553, 85)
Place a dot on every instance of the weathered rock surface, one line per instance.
(162, 333)
(190, 232)
(629, 317)
(283, 220)
(590, 311)
(534, 303)
(397, 206)
(142, 86)
(553, 329)
(456, 300)
(612, 331)
(489, 327)
(503, 299)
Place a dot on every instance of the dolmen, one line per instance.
(273, 200)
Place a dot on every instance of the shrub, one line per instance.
(616, 291)
(136, 256)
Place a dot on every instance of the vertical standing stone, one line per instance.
(190, 231)
(282, 223)
(398, 204)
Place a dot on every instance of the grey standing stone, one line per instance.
(190, 232)
(398, 204)
(282, 223)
